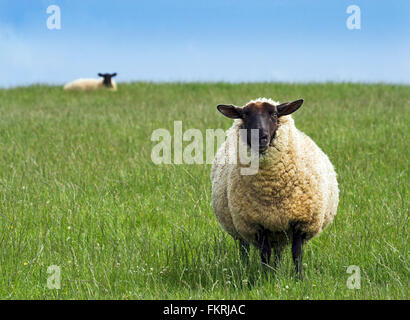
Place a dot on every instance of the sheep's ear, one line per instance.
(100, 75)
(289, 107)
(230, 111)
(113, 74)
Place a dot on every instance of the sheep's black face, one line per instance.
(107, 79)
(261, 116)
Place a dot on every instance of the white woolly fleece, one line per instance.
(89, 84)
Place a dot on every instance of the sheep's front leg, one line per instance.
(244, 250)
(264, 247)
(297, 252)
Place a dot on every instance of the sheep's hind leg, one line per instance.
(264, 247)
(244, 250)
(297, 252)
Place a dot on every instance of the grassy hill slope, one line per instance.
(78, 190)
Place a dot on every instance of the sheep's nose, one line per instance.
(263, 139)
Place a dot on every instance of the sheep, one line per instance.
(294, 194)
(92, 84)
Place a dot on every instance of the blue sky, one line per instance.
(213, 40)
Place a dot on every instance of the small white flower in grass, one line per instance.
(287, 287)
(69, 228)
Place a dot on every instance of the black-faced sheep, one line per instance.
(92, 84)
(293, 195)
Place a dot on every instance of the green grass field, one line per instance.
(78, 190)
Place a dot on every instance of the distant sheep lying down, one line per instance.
(92, 84)
(292, 197)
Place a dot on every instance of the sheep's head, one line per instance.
(107, 78)
(260, 115)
